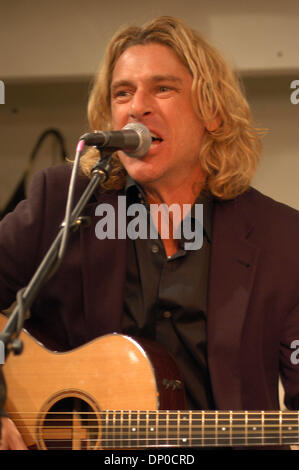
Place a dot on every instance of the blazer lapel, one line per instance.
(232, 269)
(103, 272)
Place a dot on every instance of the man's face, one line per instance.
(151, 85)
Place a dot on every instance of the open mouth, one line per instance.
(156, 138)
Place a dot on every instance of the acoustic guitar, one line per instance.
(119, 393)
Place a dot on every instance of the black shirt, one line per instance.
(166, 298)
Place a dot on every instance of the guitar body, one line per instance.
(49, 393)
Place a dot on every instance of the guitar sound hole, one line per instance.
(70, 423)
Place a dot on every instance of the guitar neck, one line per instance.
(143, 429)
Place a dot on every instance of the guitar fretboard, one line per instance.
(143, 429)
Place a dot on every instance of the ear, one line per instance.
(214, 123)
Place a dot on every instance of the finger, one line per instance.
(11, 438)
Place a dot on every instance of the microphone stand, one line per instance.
(25, 297)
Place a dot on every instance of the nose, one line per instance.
(141, 104)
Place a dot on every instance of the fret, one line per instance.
(246, 428)
(113, 437)
(185, 435)
(190, 427)
(162, 428)
(173, 425)
(121, 428)
(255, 428)
(127, 441)
(157, 428)
(142, 436)
(178, 427)
(280, 427)
(230, 428)
(147, 424)
(224, 429)
(238, 428)
(203, 428)
(133, 431)
(167, 427)
(210, 429)
(263, 428)
(152, 428)
(138, 429)
(103, 427)
(271, 428)
(120, 435)
(290, 428)
(216, 428)
(106, 429)
(117, 432)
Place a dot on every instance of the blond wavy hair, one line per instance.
(229, 155)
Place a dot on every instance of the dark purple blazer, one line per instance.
(253, 301)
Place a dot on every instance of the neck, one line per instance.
(201, 428)
(183, 192)
(165, 220)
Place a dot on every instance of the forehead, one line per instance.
(146, 61)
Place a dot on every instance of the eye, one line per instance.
(164, 88)
(121, 95)
(165, 91)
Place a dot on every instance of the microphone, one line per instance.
(134, 139)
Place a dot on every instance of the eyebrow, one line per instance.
(154, 78)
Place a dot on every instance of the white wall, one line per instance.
(277, 175)
(67, 37)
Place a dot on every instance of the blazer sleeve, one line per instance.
(20, 233)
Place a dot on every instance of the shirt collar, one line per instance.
(135, 193)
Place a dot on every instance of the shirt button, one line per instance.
(141, 198)
(155, 248)
(167, 314)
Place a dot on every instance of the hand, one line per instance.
(11, 439)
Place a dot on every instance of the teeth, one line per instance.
(155, 136)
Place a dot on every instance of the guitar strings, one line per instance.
(141, 429)
(159, 442)
(183, 414)
(114, 429)
(120, 437)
